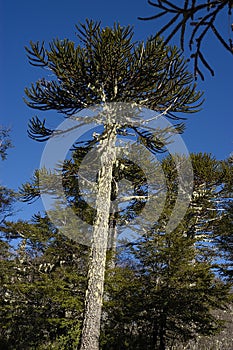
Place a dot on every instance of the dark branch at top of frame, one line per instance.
(202, 19)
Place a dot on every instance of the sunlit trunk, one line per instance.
(96, 272)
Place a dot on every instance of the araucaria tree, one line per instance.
(104, 68)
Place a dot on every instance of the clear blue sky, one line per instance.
(210, 131)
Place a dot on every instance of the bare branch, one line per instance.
(195, 15)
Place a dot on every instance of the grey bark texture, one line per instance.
(96, 272)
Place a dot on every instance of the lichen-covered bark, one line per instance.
(95, 288)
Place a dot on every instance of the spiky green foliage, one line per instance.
(164, 289)
(7, 199)
(224, 229)
(224, 240)
(40, 295)
(107, 66)
(43, 284)
(5, 141)
(165, 296)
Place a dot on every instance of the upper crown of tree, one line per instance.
(107, 66)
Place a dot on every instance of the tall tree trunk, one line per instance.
(96, 272)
